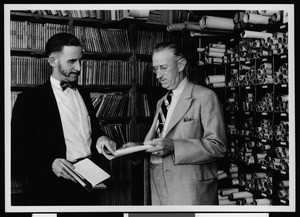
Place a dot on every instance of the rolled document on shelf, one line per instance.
(213, 22)
(267, 12)
(199, 34)
(215, 54)
(262, 201)
(193, 26)
(176, 27)
(226, 202)
(227, 191)
(255, 34)
(256, 19)
(218, 84)
(240, 194)
(276, 17)
(214, 79)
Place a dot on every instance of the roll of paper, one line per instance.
(193, 26)
(215, 79)
(255, 34)
(228, 191)
(226, 202)
(176, 27)
(262, 201)
(256, 19)
(238, 195)
(199, 34)
(267, 12)
(276, 17)
(218, 84)
(213, 22)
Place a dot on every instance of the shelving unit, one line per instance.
(116, 59)
(256, 111)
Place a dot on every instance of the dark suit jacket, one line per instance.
(198, 130)
(37, 140)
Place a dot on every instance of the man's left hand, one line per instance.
(105, 142)
(162, 147)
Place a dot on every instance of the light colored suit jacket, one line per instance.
(198, 131)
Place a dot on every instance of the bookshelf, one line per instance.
(116, 69)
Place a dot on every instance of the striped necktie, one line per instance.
(162, 116)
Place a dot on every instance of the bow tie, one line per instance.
(64, 85)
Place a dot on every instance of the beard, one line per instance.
(69, 75)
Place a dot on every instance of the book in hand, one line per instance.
(125, 151)
(88, 174)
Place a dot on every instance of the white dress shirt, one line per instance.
(175, 96)
(75, 121)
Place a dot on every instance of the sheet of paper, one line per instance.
(129, 150)
(90, 171)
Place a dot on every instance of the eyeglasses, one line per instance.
(162, 68)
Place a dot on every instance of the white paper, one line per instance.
(254, 34)
(125, 151)
(212, 22)
(90, 171)
(256, 19)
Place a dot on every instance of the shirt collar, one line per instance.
(179, 88)
(55, 83)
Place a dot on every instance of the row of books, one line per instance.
(106, 72)
(103, 40)
(145, 105)
(161, 17)
(93, 14)
(25, 34)
(29, 70)
(147, 40)
(114, 104)
(145, 75)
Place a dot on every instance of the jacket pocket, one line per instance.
(207, 171)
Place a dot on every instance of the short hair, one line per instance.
(58, 41)
(177, 50)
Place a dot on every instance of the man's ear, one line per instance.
(52, 60)
(181, 64)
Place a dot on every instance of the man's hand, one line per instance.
(162, 147)
(59, 171)
(104, 141)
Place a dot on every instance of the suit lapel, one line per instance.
(182, 106)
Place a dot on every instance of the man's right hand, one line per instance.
(59, 171)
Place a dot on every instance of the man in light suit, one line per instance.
(55, 123)
(182, 165)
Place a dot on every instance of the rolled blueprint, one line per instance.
(255, 34)
(176, 27)
(267, 12)
(276, 17)
(262, 201)
(238, 195)
(199, 34)
(256, 19)
(228, 191)
(213, 22)
(193, 26)
(215, 79)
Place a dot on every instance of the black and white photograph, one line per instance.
(146, 108)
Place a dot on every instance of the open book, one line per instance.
(88, 174)
(126, 151)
